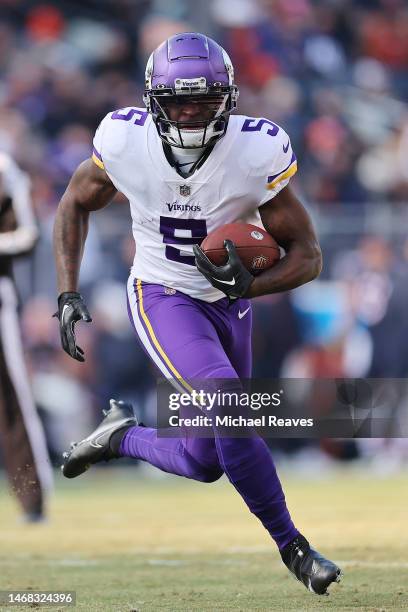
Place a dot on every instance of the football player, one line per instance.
(187, 166)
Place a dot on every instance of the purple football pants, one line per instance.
(190, 339)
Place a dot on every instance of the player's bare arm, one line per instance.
(286, 219)
(89, 189)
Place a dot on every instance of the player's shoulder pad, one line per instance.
(119, 131)
(265, 145)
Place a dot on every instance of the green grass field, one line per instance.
(126, 543)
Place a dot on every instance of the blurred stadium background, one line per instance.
(334, 74)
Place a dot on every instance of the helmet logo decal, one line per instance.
(228, 66)
(149, 72)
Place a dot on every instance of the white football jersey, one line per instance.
(246, 168)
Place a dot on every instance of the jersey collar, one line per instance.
(197, 164)
(207, 164)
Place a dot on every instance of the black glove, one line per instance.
(233, 278)
(71, 308)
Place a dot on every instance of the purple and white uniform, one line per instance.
(247, 167)
(187, 327)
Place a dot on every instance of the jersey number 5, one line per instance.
(182, 231)
(258, 125)
(141, 116)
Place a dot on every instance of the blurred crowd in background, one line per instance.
(333, 73)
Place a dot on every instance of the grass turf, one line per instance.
(125, 543)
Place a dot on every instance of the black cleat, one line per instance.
(309, 567)
(97, 446)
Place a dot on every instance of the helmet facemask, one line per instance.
(208, 98)
(209, 114)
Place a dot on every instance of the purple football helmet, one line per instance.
(190, 69)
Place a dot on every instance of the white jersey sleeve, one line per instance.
(269, 159)
(98, 141)
(281, 168)
(114, 141)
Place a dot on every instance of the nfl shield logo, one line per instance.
(185, 190)
(259, 262)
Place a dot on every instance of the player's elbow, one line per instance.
(314, 261)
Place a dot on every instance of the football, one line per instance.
(256, 248)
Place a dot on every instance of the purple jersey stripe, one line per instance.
(97, 154)
(273, 176)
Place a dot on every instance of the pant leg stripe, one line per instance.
(142, 329)
(13, 355)
(154, 339)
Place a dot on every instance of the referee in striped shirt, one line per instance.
(22, 442)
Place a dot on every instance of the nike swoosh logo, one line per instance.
(285, 149)
(225, 282)
(95, 443)
(241, 315)
(66, 306)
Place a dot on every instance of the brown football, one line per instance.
(256, 248)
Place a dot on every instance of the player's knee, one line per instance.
(203, 473)
(209, 475)
(241, 451)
